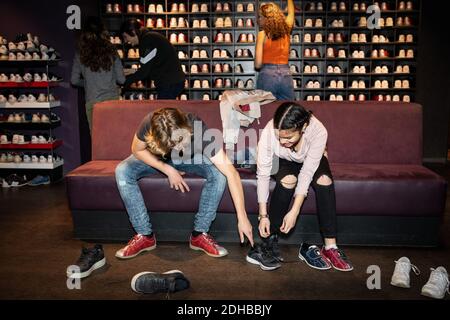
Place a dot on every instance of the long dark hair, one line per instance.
(291, 116)
(94, 46)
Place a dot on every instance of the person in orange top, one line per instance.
(272, 50)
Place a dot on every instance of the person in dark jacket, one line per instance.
(158, 58)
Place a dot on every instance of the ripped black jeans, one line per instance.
(325, 197)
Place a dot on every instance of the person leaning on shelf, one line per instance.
(272, 50)
(159, 60)
(96, 66)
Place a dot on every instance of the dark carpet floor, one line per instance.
(36, 246)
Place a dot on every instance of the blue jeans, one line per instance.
(130, 170)
(276, 78)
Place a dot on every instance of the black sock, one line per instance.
(149, 235)
(196, 233)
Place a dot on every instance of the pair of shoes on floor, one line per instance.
(90, 259)
(142, 243)
(267, 255)
(324, 259)
(436, 287)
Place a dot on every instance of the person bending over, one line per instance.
(297, 140)
(162, 143)
(158, 58)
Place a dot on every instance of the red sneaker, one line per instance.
(208, 245)
(338, 259)
(139, 243)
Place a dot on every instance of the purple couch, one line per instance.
(384, 194)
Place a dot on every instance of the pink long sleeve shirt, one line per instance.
(312, 148)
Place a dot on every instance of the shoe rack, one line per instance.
(23, 157)
(211, 32)
(381, 61)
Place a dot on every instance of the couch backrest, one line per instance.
(358, 132)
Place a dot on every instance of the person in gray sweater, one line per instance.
(96, 66)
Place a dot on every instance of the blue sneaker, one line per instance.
(39, 180)
(312, 256)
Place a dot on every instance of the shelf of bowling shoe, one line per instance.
(30, 125)
(28, 63)
(199, 89)
(224, 44)
(229, 88)
(378, 89)
(141, 89)
(381, 75)
(32, 146)
(243, 14)
(24, 84)
(29, 105)
(380, 59)
(31, 165)
(335, 13)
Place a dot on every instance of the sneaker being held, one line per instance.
(259, 255)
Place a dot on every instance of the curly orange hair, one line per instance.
(275, 26)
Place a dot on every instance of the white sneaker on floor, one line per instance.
(437, 285)
(403, 267)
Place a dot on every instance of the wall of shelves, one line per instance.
(349, 17)
(25, 126)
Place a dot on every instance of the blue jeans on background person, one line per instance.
(130, 170)
(276, 78)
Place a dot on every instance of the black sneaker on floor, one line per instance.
(90, 260)
(271, 244)
(152, 282)
(259, 255)
(14, 180)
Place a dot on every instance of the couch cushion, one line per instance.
(369, 132)
(364, 189)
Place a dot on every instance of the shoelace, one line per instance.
(404, 265)
(437, 276)
(210, 240)
(133, 240)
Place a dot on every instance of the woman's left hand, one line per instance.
(289, 221)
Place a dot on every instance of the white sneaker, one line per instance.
(403, 267)
(437, 285)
